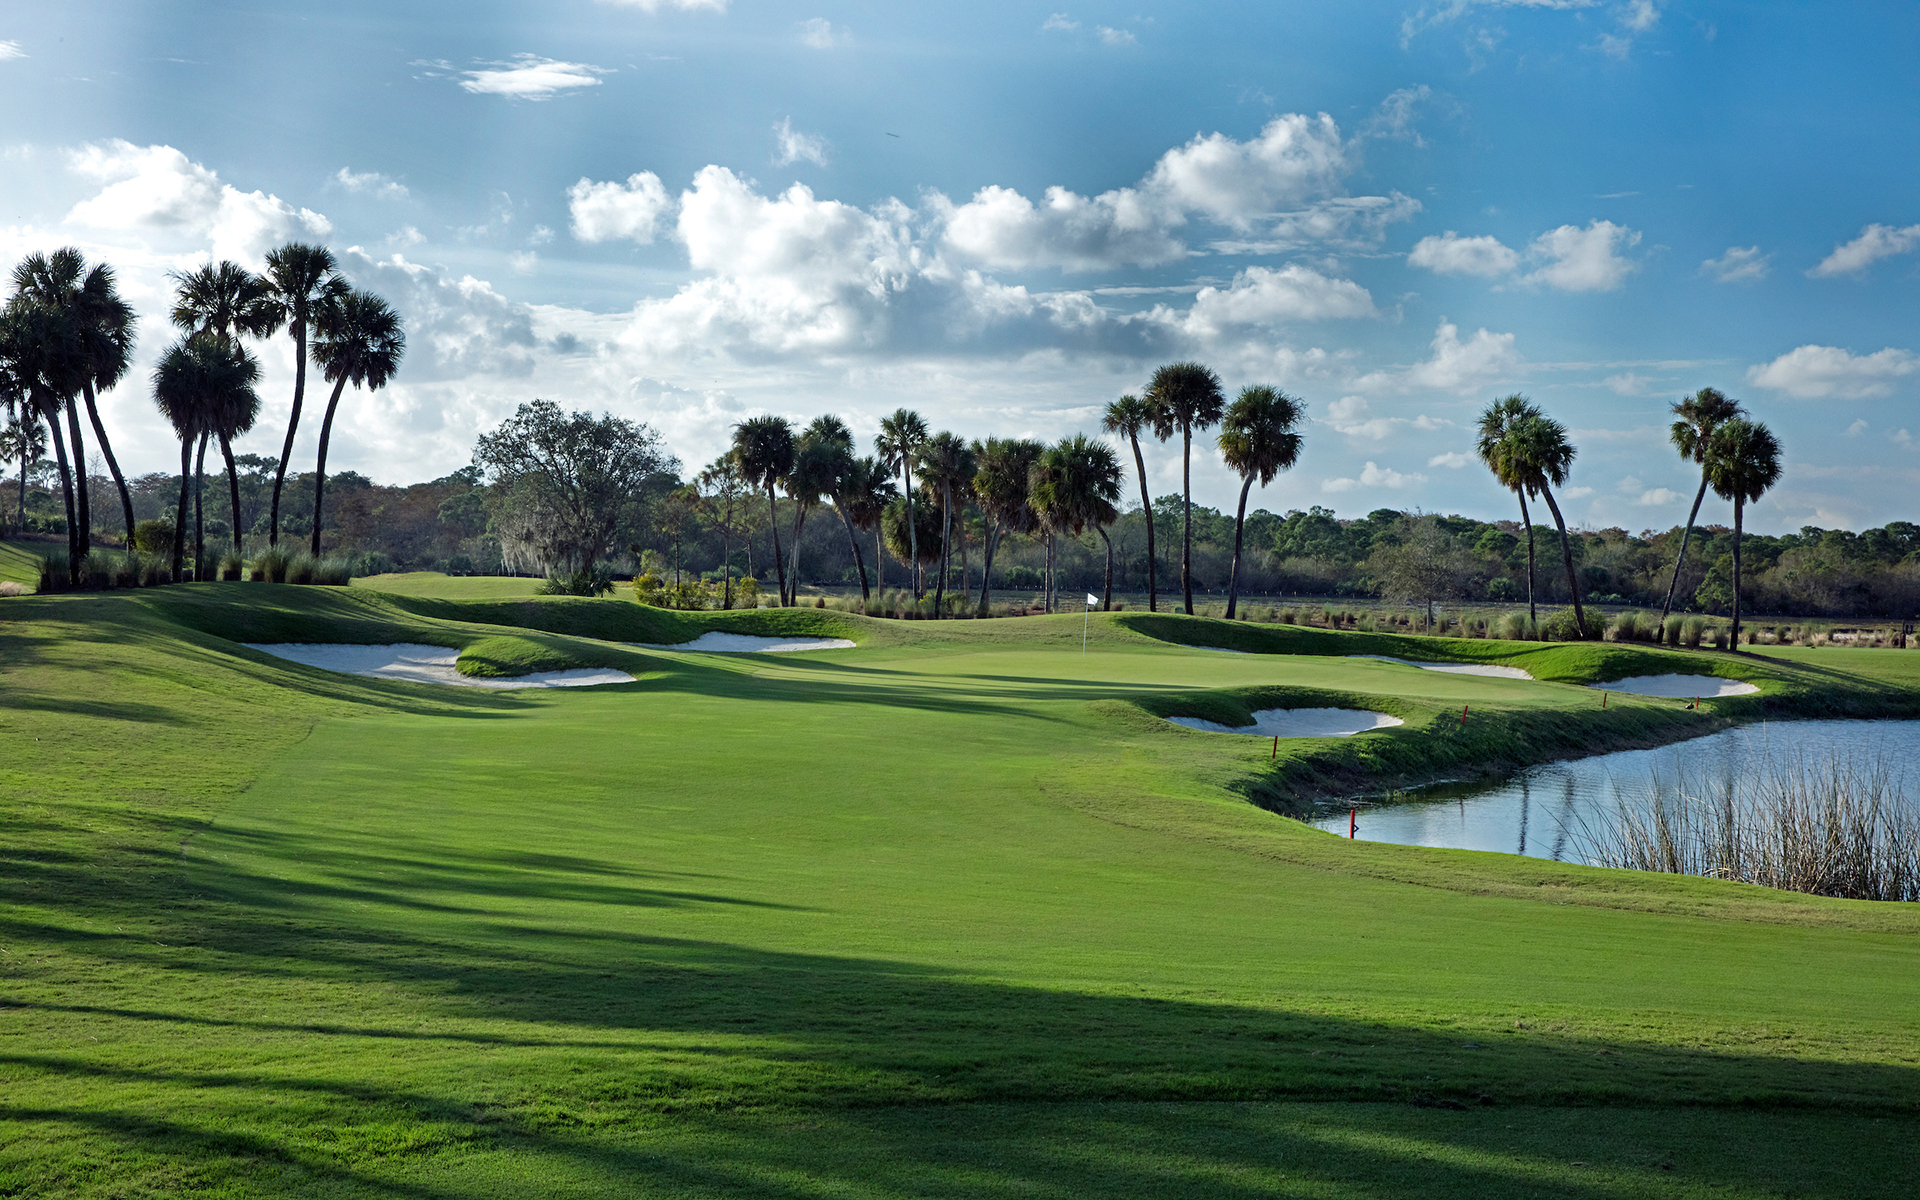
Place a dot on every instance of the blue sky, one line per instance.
(1006, 215)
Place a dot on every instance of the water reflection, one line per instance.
(1499, 815)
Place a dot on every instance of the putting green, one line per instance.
(951, 913)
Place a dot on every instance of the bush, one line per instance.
(594, 582)
(231, 566)
(746, 593)
(1018, 577)
(155, 571)
(271, 565)
(300, 568)
(54, 572)
(1691, 629)
(153, 537)
(334, 571)
(1628, 628)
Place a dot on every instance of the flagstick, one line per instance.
(1085, 616)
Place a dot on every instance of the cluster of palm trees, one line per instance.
(1020, 486)
(66, 335)
(1530, 454)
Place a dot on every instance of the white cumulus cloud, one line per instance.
(1740, 264)
(1454, 366)
(819, 33)
(1115, 37)
(1583, 260)
(531, 77)
(1813, 372)
(1058, 23)
(1450, 254)
(791, 145)
(1375, 476)
(604, 211)
(1265, 296)
(1658, 496)
(1003, 229)
(1452, 459)
(1874, 243)
(373, 182)
(11, 50)
(158, 188)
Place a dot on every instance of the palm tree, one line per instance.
(1742, 462)
(844, 479)
(901, 435)
(203, 381)
(815, 462)
(1497, 447)
(1074, 486)
(1000, 483)
(1542, 456)
(361, 342)
(1258, 439)
(231, 412)
(43, 347)
(1699, 415)
(946, 462)
(721, 485)
(22, 439)
(1129, 416)
(763, 446)
(102, 324)
(1185, 396)
(224, 298)
(302, 283)
(864, 495)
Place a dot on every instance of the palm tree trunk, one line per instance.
(879, 561)
(113, 464)
(1186, 533)
(233, 491)
(320, 471)
(853, 542)
(913, 530)
(66, 496)
(726, 562)
(1526, 523)
(1685, 534)
(299, 332)
(1146, 509)
(1739, 509)
(199, 510)
(1566, 556)
(21, 524)
(82, 503)
(1052, 570)
(180, 513)
(1239, 528)
(966, 585)
(986, 570)
(1106, 593)
(799, 523)
(773, 527)
(946, 550)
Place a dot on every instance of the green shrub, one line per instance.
(335, 570)
(1519, 627)
(594, 582)
(271, 565)
(231, 566)
(155, 570)
(54, 575)
(1691, 629)
(153, 537)
(300, 567)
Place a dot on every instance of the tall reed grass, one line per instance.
(1830, 827)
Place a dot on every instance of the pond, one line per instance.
(1540, 811)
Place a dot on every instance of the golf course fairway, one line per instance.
(953, 913)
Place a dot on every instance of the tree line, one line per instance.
(66, 335)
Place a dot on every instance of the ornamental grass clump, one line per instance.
(271, 565)
(300, 568)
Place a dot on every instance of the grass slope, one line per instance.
(951, 914)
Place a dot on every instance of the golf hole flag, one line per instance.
(1092, 599)
(1084, 618)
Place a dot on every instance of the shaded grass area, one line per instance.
(937, 916)
(20, 562)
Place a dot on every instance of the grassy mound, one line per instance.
(504, 656)
(955, 913)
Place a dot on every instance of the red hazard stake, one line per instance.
(1463, 715)
(1353, 821)
(1276, 748)
(1603, 699)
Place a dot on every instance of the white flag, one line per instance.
(1092, 599)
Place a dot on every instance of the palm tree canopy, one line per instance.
(1257, 434)
(224, 298)
(301, 280)
(763, 446)
(360, 340)
(1493, 442)
(1697, 417)
(1075, 485)
(45, 348)
(1129, 416)
(900, 435)
(205, 384)
(945, 461)
(866, 491)
(814, 468)
(100, 322)
(1184, 395)
(1001, 479)
(1742, 461)
(1540, 454)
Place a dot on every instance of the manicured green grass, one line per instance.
(20, 563)
(951, 914)
(449, 587)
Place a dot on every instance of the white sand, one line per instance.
(740, 643)
(1222, 650)
(415, 663)
(1678, 687)
(1486, 669)
(1300, 722)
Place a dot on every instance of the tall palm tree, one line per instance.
(1496, 446)
(224, 298)
(1129, 416)
(1000, 483)
(721, 486)
(763, 446)
(361, 342)
(900, 436)
(1543, 456)
(1185, 396)
(865, 493)
(1742, 462)
(1258, 440)
(815, 462)
(302, 282)
(40, 342)
(24, 440)
(844, 479)
(1698, 416)
(201, 382)
(1074, 486)
(231, 412)
(946, 463)
(102, 325)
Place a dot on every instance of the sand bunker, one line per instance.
(1222, 650)
(1678, 687)
(415, 663)
(740, 643)
(1455, 668)
(1299, 722)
